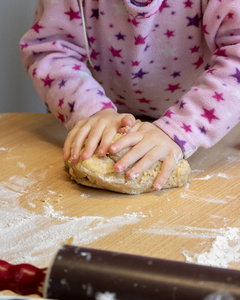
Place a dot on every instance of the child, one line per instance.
(98, 64)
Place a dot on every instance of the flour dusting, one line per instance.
(225, 247)
(224, 250)
(42, 234)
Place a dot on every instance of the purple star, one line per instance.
(182, 103)
(179, 142)
(194, 21)
(95, 13)
(120, 36)
(175, 74)
(97, 68)
(139, 74)
(62, 83)
(237, 75)
(101, 93)
(71, 105)
(142, 14)
(146, 48)
(203, 130)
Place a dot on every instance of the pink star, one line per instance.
(22, 46)
(209, 114)
(73, 14)
(211, 71)
(77, 67)
(115, 53)
(218, 96)
(169, 113)
(91, 40)
(118, 102)
(135, 63)
(118, 74)
(135, 23)
(220, 52)
(107, 105)
(61, 117)
(199, 62)
(94, 54)
(70, 36)
(47, 81)
(140, 40)
(164, 5)
(169, 33)
(34, 72)
(187, 128)
(188, 3)
(205, 29)
(37, 27)
(144, 100)
(173, 87)
(60, 102)
(194, 49)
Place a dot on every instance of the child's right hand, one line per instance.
(99, 129)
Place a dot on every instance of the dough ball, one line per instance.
(98, 172)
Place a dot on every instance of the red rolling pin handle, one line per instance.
(83, 273)
(22, 279)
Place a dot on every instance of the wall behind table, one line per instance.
(17, 93)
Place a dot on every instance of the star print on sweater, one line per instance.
(174, 61)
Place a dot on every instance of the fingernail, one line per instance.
(113, 148)
(119, 168)
(157, 186)
(101, 152)
(133, 175)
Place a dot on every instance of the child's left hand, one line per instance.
(149, 145)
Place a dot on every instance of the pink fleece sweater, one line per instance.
(177, 62)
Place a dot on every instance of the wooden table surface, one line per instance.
(42, 209)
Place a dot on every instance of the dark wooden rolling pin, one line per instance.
(83, 273)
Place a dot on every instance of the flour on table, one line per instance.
(224, 250)
(38, 241)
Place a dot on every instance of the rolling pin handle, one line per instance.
(23, 279)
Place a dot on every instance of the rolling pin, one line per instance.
(83, 273)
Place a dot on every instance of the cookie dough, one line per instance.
(98, 172)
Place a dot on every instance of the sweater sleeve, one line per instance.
(211, 108)
(54, 54)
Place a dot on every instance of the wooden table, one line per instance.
(42, 209)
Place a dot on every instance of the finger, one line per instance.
(132, 156)
(78, 142)
(168, 165)
(128, 120)
(143, 164)
(106, 141)
(127, 140)
(68, 143)
(92, 142)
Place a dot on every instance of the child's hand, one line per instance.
(99, 128)
(150, 144)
